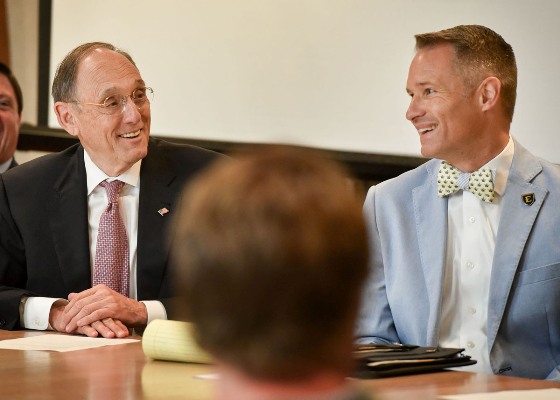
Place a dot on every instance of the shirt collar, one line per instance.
(96, 175)
(501, 164)
(5, 165)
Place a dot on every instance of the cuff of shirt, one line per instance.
(36, 312)
(155, 310)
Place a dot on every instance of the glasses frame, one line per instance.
(123, 100)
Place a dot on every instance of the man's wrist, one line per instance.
(56, 308)
(36, 312)
(143, 312)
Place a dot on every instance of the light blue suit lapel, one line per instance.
(431, 211)
(516, 222)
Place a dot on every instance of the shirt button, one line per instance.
(470, 345)
(472, 310)
(470, 265)
(472, 220)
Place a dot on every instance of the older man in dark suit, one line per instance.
(58, 268)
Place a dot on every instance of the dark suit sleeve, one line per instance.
(12, 265)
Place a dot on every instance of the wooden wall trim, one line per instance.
(4, 38)
(43, 78)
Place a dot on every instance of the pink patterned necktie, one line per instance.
(111, 266)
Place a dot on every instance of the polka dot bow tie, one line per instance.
(480, 182)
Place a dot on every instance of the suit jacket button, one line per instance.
(2, 323)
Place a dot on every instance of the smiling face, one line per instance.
(9, 120)
(114, 142)
(447, 115)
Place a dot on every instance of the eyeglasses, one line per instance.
(115, 104)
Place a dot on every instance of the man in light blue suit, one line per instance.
(457, 263)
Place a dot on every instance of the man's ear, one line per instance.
(66, 118)
(490, 90)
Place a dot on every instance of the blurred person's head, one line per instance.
(271, 252)
(11, 106)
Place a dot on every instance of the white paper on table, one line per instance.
(538, 394)
(59, 342)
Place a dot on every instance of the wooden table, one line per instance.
(123, 372)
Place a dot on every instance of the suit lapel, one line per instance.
(516, 222)
(158, 188)
(430, 211)
(67, 210)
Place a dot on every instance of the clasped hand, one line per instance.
(98, 311)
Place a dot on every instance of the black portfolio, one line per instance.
(380, 361)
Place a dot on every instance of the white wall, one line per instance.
(22, 156)
(23, 31)
(326, 73)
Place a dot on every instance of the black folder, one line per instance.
(381, 361)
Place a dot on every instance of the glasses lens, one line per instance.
(112, 105)
(140, 95)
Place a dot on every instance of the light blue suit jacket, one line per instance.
(407, 224)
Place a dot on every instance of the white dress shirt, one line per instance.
(36, 309)
(5, 165)
(471, 240)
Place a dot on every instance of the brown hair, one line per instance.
(480, 52)
(271, 252)
(64, 82)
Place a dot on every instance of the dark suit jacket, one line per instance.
(44, 239)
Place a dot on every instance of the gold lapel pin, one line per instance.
(528, 198)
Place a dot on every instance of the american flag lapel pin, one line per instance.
(163, 211)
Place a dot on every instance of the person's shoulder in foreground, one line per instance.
(271, 252)
(184, 158)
